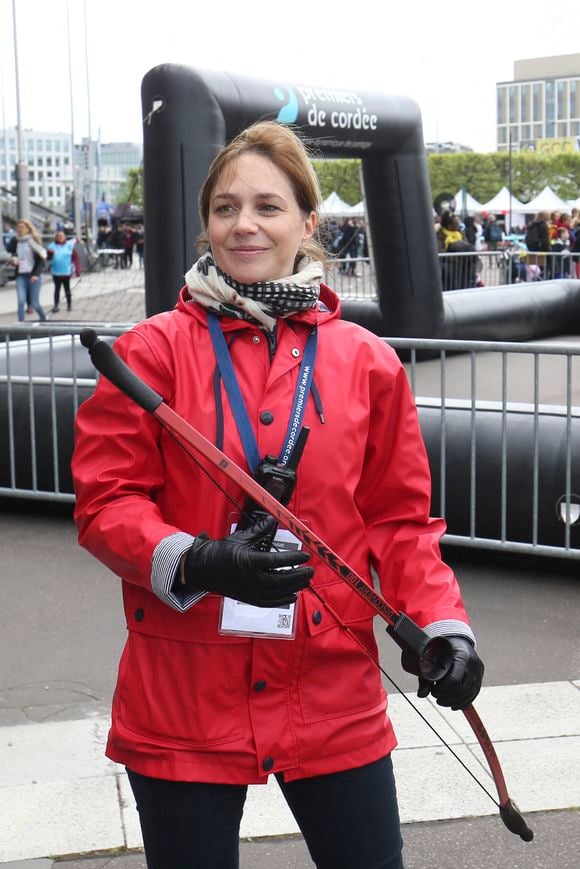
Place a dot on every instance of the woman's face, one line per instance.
(21, 229)
(255, 226)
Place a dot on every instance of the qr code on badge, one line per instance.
(284, 620)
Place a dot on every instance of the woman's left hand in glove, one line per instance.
(462, 682)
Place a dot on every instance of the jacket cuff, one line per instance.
(450, 627)
(164, 565)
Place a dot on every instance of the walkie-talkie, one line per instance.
(277, 479)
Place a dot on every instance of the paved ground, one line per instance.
(63, 629)
(109, 295)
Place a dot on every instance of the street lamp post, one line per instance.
(21, 167)
(510, 176)
(75, 187)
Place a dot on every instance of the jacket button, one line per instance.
(295, 352)
(266, 417)
(316, 617)
(260, 685)
(256, 339)
(268, 763)
(139, 614)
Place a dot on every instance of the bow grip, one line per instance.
(433, 655)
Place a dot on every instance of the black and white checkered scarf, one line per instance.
(263, 301)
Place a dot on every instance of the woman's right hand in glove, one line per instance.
(234, 567)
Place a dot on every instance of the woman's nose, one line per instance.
(245, 222)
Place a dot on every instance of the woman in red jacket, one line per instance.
(232, 669)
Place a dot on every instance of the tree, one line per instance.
(483, 175)
(131, 190)
(341, 177)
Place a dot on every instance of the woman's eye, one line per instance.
(224, 209)
(268, 207)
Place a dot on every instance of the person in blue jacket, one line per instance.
(63, 263)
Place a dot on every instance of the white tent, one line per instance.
(503, 202)
(547, 200)
(465, 203)
(357, 210)
(334, 205)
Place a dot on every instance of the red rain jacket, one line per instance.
(191, 704)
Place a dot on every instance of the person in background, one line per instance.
(128, 245)
(575, 249)
(493, 233)
(28, 255)
(64, 261)
(7, 234)
(348, 247)
(103, 233)
(139, 236)
(560, 245)
(538, 244)
(449, 231)
(473, 231)
(208, 698)
(553, 224)
(117, 243)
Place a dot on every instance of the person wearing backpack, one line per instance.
(538, 239)
(538, 233)
(492, 233)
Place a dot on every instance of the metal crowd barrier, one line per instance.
(460, 271)
(500, 422)
(354, 278)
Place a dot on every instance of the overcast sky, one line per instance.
(447, 56)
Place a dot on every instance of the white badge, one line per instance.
(245, 620)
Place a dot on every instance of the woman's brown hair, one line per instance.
(284, 147)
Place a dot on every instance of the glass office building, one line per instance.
(540, 108)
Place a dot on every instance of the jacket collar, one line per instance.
(329, 309)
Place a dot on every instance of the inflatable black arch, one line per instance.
(190, 114)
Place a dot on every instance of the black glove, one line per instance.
(233, 567)
(462, 682)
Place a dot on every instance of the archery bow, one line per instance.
(432, 652)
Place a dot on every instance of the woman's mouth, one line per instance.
(247, 251)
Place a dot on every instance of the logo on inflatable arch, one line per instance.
(289, 111)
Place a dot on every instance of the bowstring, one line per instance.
(335, 615)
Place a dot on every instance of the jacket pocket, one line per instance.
(184, 694)
(336, 677)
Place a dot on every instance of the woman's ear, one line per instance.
(310, 225)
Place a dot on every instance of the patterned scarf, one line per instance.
(262, 301)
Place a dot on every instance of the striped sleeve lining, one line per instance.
(164, 566)
(450, 627)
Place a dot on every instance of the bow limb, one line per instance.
(432, 659)
(509, 812)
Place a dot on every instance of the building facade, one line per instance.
(540, 109)
(114, 161)
(50, 165)
(98, 172)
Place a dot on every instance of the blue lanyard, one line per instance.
(237, 403)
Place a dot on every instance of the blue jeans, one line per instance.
(27, 288)
(349, 819)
